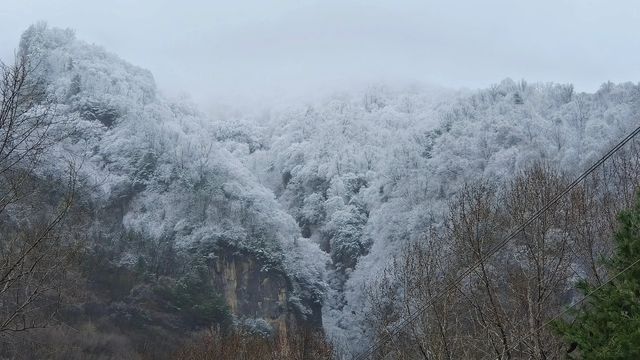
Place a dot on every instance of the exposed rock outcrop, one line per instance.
(253, 292)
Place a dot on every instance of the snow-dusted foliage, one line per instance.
(155, 164)
(329, 190)
(364, 174)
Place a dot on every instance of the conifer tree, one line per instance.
(608, 326)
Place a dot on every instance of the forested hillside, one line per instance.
(134, 225)
(174, 235)
(368, 173)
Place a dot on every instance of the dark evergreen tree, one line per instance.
(608, 326)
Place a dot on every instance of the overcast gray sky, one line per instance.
(234, 49)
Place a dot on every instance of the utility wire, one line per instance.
(396, 329)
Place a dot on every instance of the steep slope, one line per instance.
(365, 174)
(180, 232)
(287, 198)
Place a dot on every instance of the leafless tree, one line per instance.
(34, 248)
(539, 276)
(298, 344)
(499, 309)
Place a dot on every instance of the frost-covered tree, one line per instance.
(159, 196)
(412, 150)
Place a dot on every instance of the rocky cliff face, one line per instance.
(253, 292)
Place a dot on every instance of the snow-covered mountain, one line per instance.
(366, 173)
(287, 214)
(164, 197)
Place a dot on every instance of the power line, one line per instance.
(389, 334)
(568, 308)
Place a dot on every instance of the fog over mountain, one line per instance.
(231, 52)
